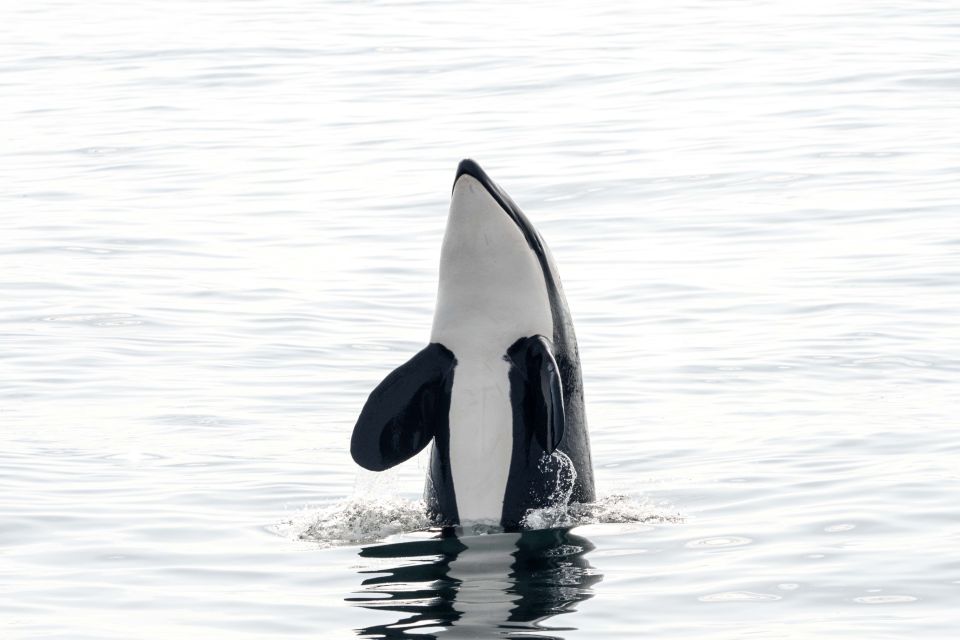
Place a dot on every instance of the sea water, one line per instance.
(220, 226)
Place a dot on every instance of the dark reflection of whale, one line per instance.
(493, 586)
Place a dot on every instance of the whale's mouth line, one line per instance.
(468, 167)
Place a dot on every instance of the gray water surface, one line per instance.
(220, 224)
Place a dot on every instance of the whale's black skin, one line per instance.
(412, 405)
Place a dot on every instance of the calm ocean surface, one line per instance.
(220, 227)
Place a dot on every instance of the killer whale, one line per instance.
(498, 389)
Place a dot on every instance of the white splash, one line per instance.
(357, 520)
(366, 519)
(566, 475)
(616, 508)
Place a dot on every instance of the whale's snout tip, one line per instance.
(470, 167)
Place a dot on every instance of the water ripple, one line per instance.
(220, 230)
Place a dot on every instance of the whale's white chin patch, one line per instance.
(491, 283)
(492, 293)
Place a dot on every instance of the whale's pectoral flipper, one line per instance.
(403, 413)
(535, 382)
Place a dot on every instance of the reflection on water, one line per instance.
(504, 585)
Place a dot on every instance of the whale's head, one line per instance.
(493, 285)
